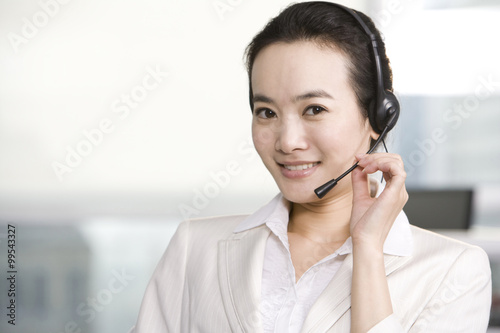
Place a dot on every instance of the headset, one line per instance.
(384, 109)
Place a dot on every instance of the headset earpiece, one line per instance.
(387, 112)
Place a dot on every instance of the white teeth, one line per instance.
(300, 167)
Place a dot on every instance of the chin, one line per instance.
(298, 194)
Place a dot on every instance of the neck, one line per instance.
(325, 221)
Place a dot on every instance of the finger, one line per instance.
(360, 186)
(374, 162)
(391, 165)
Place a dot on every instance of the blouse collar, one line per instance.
(399, 241)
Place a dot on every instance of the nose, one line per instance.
(291, 136)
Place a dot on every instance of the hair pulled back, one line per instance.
(328, 25)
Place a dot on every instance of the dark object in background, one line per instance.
(440, 209)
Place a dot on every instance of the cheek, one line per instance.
(263, 139)
(341, 137)
(329, 136)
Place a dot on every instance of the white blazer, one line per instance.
(209, 280)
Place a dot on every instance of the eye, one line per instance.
(314, 110)
(265, 113)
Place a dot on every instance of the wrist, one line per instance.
(372, 249)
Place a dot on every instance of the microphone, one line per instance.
(325, 188)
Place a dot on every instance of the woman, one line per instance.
(349, 262)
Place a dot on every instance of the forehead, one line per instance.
(298, 66)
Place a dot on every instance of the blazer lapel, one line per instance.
(336, 298)
(240, 261)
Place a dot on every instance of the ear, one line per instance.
(373, 135)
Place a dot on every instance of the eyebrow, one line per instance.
(318, 93)
(262, 98)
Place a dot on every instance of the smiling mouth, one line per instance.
(300, 166)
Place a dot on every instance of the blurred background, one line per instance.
(119, 119)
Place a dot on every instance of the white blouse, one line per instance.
(284, 303)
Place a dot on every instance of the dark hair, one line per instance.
(328, 25)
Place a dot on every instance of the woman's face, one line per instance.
(307, 125)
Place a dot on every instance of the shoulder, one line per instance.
(199, 238)
(427, 242)
(443, 285)
(217, 225)
(439, 264)
(441, 251)
(207, 231)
